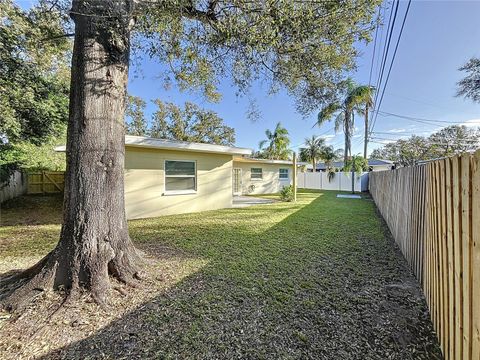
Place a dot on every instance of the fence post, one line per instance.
(294, 177)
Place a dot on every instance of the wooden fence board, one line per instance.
(45, 182)
(433, 212)
(475, 266)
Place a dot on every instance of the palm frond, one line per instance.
(327, 113)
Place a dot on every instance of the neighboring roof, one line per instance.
(152, 143)
(339, 164)
(377, 162)
(267, 161)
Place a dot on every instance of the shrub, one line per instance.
(286, 194)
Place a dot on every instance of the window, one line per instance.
(180, 177)
(256, 173)
(283, 174)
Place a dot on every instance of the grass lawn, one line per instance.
(317, 279)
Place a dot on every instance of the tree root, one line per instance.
(18, 290)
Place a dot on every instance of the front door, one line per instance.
(237, 181)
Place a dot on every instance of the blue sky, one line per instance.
(439, 37)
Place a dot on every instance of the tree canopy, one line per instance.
(306, 47)
(190, 123)
(352, 98)
(135, 122)
(173, 122)
(34, 82)
(34, 73)
(469, 87)
(276, 145)
(449, 141)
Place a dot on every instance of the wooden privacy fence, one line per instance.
(433, 211)
(45, 182)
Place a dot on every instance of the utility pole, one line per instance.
(365, 143)
(295, 176)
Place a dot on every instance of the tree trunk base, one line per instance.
(19, 289)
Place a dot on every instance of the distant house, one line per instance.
(373, 165)
(164, 177)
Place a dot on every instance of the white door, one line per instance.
(237, 181)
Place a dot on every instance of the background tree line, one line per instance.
(449, 141)
(172, 122)
(34, 86)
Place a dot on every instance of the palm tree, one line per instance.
(362, 99)
(341, 111)
(357, 98)
(276, 144)
(328, 155)
(312, 150)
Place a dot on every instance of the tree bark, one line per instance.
(94, 241)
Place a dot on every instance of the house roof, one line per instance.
(267, 161)
(339, 164)
(152, 143)
(377, 162)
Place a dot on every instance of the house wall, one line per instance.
(145, 183)
(269, 184)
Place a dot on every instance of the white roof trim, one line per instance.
(141, 141)
(152, 143)
(268, 161)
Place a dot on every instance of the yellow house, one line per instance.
(260, 176)
(164, 177)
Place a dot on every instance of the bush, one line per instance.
(286, 194)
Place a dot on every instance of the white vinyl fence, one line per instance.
(342, 181)
(15, 186)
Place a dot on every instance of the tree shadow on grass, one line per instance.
(32, 210)
(322, 282)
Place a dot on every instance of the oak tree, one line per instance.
(190, 123)
(301, 46)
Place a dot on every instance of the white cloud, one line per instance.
(328, 138)
(396, 130)
(384, 142)
(472, 123)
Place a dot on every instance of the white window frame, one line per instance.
(284, 178)
(179, 192)
(251, 173)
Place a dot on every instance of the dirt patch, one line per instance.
(49, 324)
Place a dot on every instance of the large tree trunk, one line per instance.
(94, 241)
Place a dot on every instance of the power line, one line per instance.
(385, 113)
(461, 143)
(374, 47)
(386, 48)
(392, 62)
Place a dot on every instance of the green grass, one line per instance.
(286, 280)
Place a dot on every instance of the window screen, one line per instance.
(283, 173)
(180, 175)
(256, 173)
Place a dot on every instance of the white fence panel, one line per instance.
(342, 181)
(15, 186)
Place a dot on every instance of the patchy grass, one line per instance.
(314, 279)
